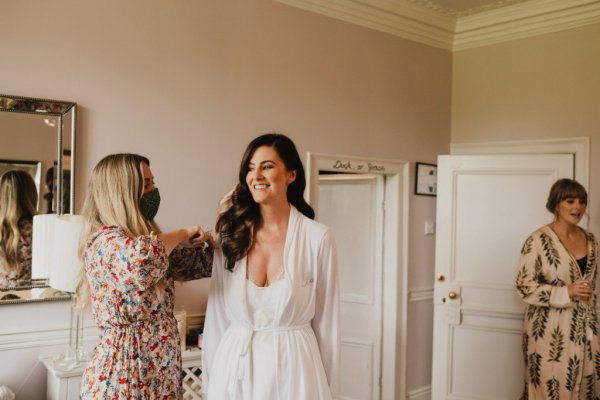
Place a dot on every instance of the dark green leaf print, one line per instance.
(544, 297)
(534, 368)
(538, 327)
(593, 321)
(553, 389)
(577, 333)
(573, 272)
(557, 345)
(572, 373)
(538, 266)
(589, 384)
(526, 249)
(592, 254)
(531, 311)
(540, 278)
(558, 282)
(524, 289)
(549, 250)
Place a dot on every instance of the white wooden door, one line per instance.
(352, 206)
(486, 208)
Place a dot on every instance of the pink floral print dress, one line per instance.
(138, 356)
(22, 276)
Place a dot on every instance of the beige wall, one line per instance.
(537, 88)
(190, 83)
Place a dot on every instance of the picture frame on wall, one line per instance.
(426, 179)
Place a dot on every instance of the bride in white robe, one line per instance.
(272, 323)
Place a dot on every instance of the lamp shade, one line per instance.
(66, 265)
(42, 245)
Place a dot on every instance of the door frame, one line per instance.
(395, 260)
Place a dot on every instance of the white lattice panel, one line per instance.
(191, 374)
(192, 383)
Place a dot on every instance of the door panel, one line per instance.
(470, 343)
(356, 371)
(486, 208)
(351, 206)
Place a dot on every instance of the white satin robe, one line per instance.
(306, 336)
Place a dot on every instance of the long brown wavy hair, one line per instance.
(240, 213)
(113, 199)
(18, 200)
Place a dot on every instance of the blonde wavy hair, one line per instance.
(113, 199)
(18, 200)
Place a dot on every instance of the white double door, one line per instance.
(352, 206)
(486, 208)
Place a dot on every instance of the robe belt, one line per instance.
(243, 365)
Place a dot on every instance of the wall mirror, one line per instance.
(38, 137)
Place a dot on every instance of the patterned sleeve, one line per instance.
(191, 263)
(533, 287)
(25, 244)
(126, 263)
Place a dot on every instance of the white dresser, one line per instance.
(64, 385)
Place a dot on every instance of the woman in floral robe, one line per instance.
(129, 275)
(556, 279)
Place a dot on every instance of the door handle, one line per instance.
(440, 278)
(453, 295)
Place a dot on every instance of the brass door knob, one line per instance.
(440, 278)
(453, 295)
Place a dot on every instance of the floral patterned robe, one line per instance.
(561, 347)
(22, 276)
(138, 356)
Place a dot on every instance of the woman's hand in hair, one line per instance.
(197, 237)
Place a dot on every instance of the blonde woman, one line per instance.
(129, 269)
(18, 199)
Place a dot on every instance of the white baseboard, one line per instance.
(423, 393)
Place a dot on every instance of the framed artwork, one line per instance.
(426, 179)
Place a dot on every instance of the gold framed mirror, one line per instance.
(38, 138)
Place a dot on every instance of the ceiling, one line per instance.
(459, 24)
(459, 8)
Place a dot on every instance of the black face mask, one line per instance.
(149, 204)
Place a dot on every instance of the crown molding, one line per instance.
(523, 20)
(413, 22)
(399, 18)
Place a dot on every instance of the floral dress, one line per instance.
(138, 356)
(561, 348)
(22, 276)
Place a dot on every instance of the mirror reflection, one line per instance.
(36, 177)
(18, 205)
